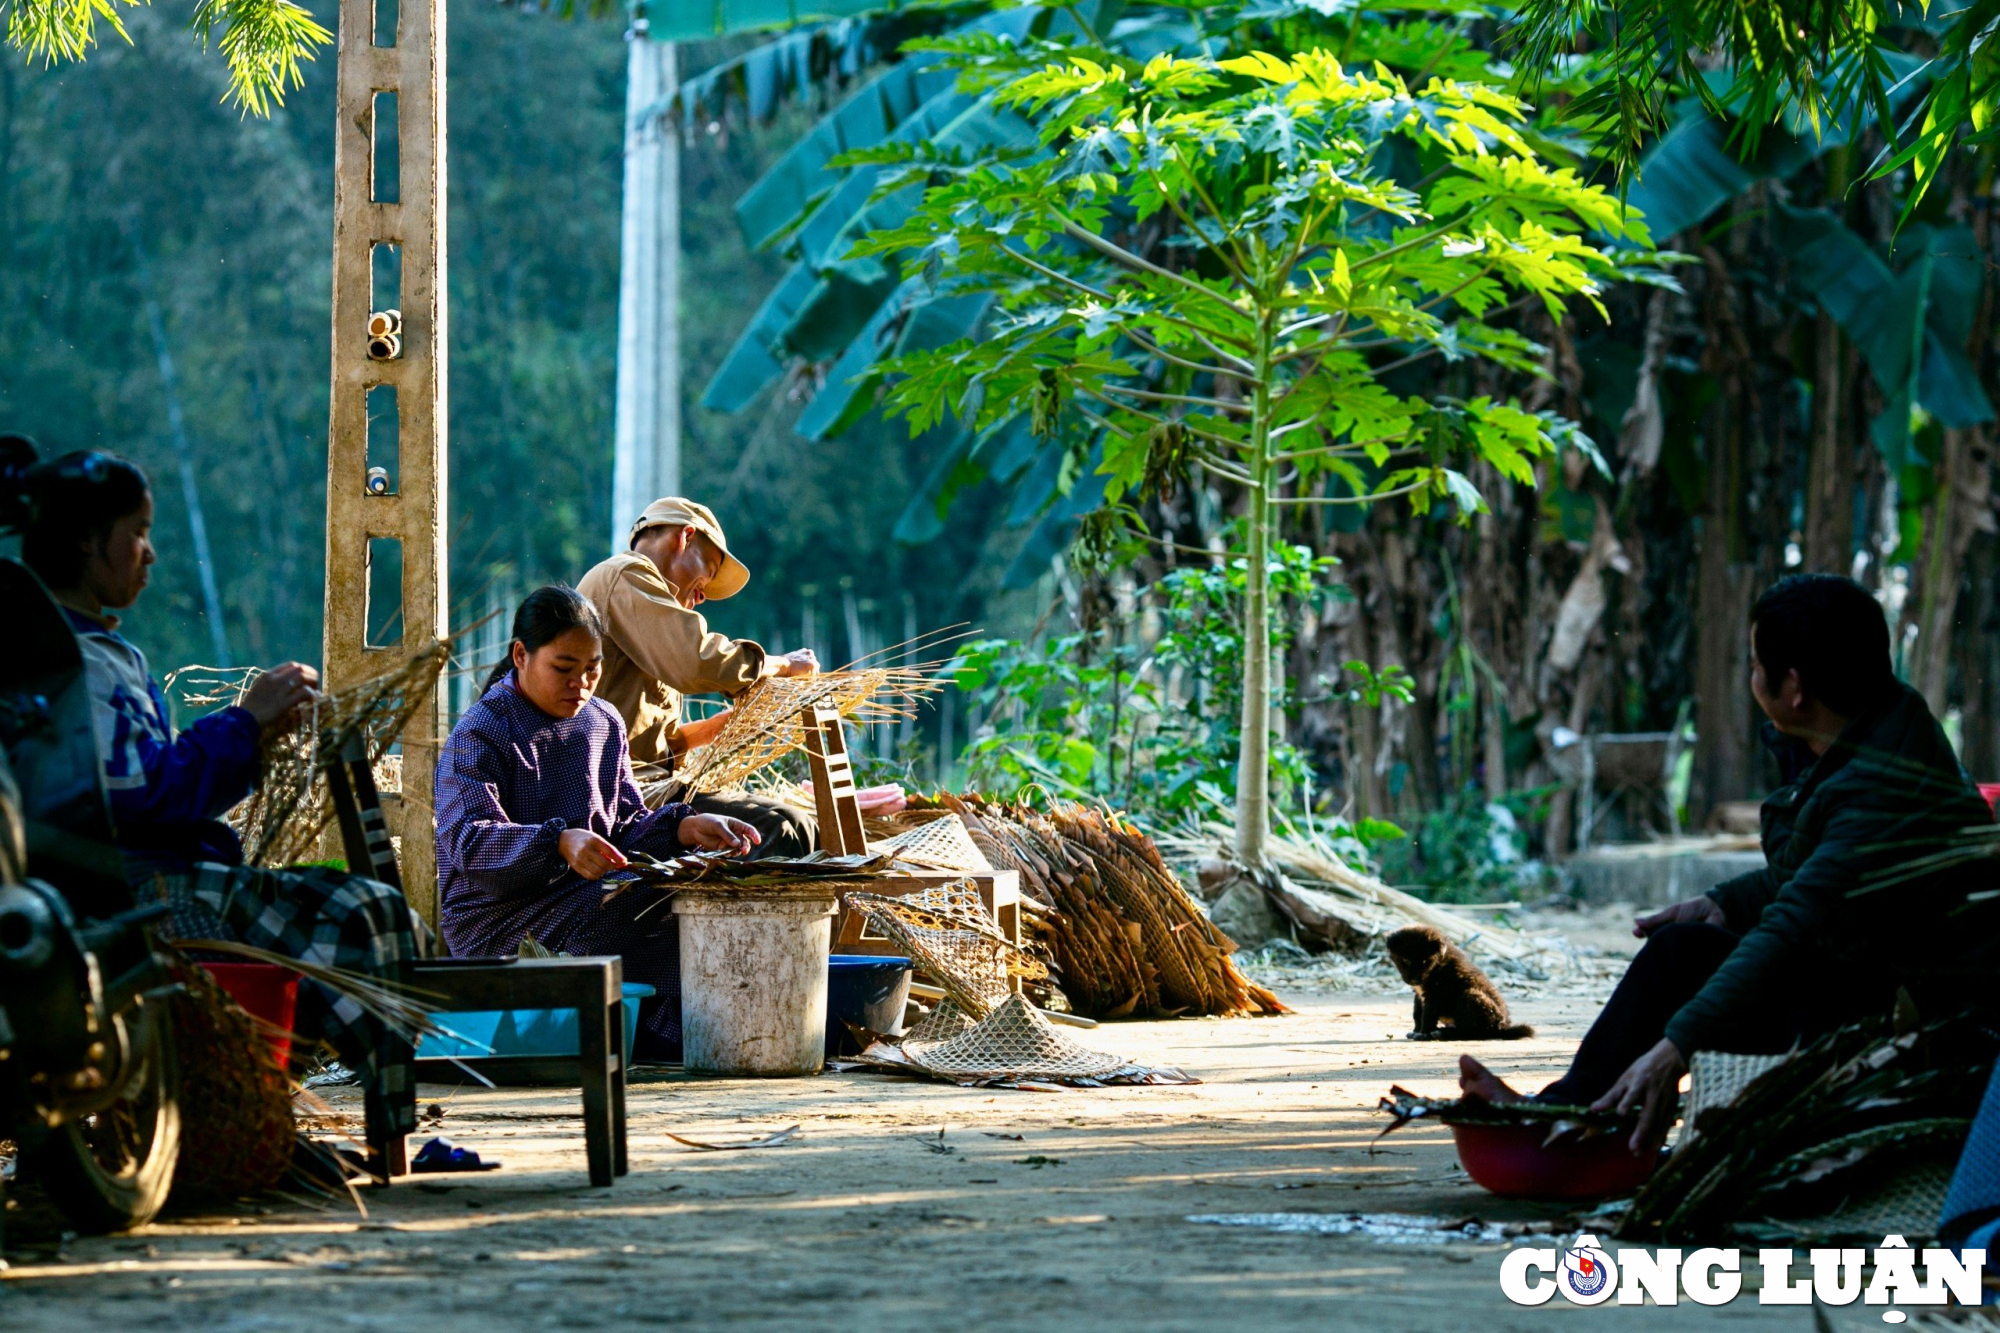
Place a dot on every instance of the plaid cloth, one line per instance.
(321, 916)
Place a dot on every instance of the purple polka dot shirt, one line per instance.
(511, 779)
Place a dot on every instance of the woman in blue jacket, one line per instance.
(88, 535)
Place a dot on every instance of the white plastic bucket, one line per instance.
(753, 979)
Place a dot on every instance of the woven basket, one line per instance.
(236, 1104)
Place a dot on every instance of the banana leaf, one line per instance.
(1694, 169)
(754, 361)
(800, 179)
(1910, 327)
(999, 453)
(927, 322)
(762, 78)
(1053, 534)
(692, 20)
(830, 300)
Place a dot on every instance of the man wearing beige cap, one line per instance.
(658, 649)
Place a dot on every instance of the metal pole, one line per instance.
(646, 451)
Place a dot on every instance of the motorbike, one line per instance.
(88, 1080)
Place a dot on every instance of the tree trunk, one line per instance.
(1253, 756)
(1723, 760)
(1978, 656)
(1830, 467)
(1962, 508)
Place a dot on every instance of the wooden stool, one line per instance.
(841, 832)
(592, 987)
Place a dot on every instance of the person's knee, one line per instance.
(386, 907)
(1682, 943)
(790, 836)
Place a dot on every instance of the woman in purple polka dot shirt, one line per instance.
(536, 803)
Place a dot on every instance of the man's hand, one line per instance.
(1651, 1084)
(589, 855)
(274, 697)
(804, 662)
(1701, 910)
(718, 833)
(693, 735)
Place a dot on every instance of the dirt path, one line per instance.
(1048, 1210)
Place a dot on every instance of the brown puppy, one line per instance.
(1454, 998)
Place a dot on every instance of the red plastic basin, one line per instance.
(1511, 1160)
(267, 993)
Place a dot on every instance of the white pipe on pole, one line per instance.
(646, 455)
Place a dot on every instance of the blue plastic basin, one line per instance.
(520, 1031)
(868, 991)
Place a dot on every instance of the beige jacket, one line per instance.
(656, 651)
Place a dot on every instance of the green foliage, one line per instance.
(1212, 259)
(1303, 255)
(1910, 326)
(1469, 850)
(1391, 682)
(1092, 715)
(1808, 67)
(262, 41)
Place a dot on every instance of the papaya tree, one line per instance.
(1220, 265)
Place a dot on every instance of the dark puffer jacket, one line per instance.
(1888, 791)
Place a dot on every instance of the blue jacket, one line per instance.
(168, 792)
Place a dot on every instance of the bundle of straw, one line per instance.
(282, 821)
(1125, 938)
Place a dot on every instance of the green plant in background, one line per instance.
(1076, 709)
(1297, 267)
(1799, 67)
(262, 41)
(1152, 727)
(1201, 634)
(1471, 849)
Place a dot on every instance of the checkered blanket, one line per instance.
(322, 916)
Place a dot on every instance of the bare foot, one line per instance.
(1476, 1080)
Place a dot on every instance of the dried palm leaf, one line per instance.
(1121, 932)
(1857, 1104)
(282, 821)
(766, 722)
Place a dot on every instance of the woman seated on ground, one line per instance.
(88, 535)
(536, 803)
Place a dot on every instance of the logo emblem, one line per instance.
(1586, 1275)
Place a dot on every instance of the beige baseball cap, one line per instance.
(675, 512)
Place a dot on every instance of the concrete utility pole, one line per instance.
(646, 456)
(389, 225)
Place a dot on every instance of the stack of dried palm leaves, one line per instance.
(1853, 1136)
(716, 869)
(282, 821)
(1121, 933)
